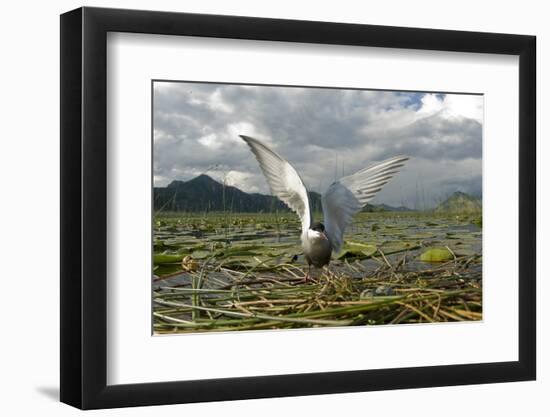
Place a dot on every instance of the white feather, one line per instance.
(284, 181)
(346, 197)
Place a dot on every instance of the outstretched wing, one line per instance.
(284, 181)
(347, 196)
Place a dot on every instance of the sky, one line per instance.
(324, 133)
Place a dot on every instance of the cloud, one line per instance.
(324, 133)
(437, 136)
(453, 105)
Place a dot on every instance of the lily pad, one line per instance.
(436, 255)
(461, 236)
(396, 246)
(161, 258)
(420, 236)
(357, 250)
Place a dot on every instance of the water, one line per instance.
(242, 239)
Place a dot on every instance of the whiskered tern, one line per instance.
(340, 202)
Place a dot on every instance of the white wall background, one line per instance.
(29, 175)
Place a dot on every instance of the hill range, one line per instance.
(203, 193)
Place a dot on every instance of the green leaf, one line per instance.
(436, 255)
(357, 250)
(160, 259)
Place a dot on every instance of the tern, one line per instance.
(340, 202)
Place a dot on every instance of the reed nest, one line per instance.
(215, 297)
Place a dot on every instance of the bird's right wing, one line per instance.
(284, 181)
(347, 196)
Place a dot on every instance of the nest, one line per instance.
(211, 296)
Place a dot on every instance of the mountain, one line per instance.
(203, 193)
(460, 202)
(206, 194)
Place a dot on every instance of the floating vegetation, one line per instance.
(437, 255)
(221, 272)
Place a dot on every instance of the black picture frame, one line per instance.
(84, 207)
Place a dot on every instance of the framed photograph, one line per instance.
(258, 208)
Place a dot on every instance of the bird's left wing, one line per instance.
(347, 196)
(284, 181)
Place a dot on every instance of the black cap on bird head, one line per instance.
(318, 227)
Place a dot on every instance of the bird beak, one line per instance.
(323, 236)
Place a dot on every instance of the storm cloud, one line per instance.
(325, 133)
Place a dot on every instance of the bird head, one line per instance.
(317, 231)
